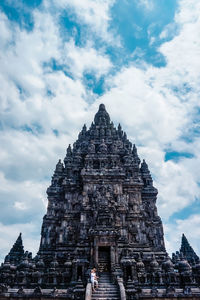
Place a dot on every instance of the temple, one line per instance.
(101, 213)
(187, 250)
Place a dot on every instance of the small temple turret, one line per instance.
(17, 251)
(187, 250)
(146, 176)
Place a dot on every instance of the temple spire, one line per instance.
(18, 246)
(17, 250)
(144, 167)
(59, 167)
(69, 150)
(58, 173)
(102, 117)
(187, 250)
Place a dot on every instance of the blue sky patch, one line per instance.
(69, 28)
(56, 132)
(34, 128)
(176, 156)
(96, 85)
(53, 65)
(184, 213)
(140, 28)
(20, 12)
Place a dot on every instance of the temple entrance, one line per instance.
(104, 259)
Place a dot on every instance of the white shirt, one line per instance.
(93, 276)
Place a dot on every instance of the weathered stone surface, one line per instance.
(188, 251)
(101, 212)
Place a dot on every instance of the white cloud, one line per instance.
(5, 30)
(178, 188)
(189, 226)
(22, 61)
(183, 51)
(27, 159)
(188, 12)
(155, 107)
(25, 80)
(85, 59)
(94, 13)
(18, 197)
(154, 116)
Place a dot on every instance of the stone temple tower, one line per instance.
(101, 205)
(101, 213)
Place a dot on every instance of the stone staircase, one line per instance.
(106, 290)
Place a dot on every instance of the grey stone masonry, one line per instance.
(101, 213)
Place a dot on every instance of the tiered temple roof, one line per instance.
(101, 213)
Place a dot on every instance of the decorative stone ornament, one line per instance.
(101, 213)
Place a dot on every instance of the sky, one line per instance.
(59, 59)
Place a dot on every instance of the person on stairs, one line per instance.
(94, 280)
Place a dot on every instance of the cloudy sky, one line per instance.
(58, 60)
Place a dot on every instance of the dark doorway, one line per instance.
(128, 272)
(79, 272)
(104, 259)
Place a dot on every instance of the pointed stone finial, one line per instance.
(19, 239)
(124, 136)
(119, 130)
(144, 167)
(102, 117)
(102, 107)
(119, 127)
(134, 150)
(135, 155)
(146, 176)
(18, 246)
(84, 129)
(69, 150)
(59, 167)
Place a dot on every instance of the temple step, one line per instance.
(106, 289)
